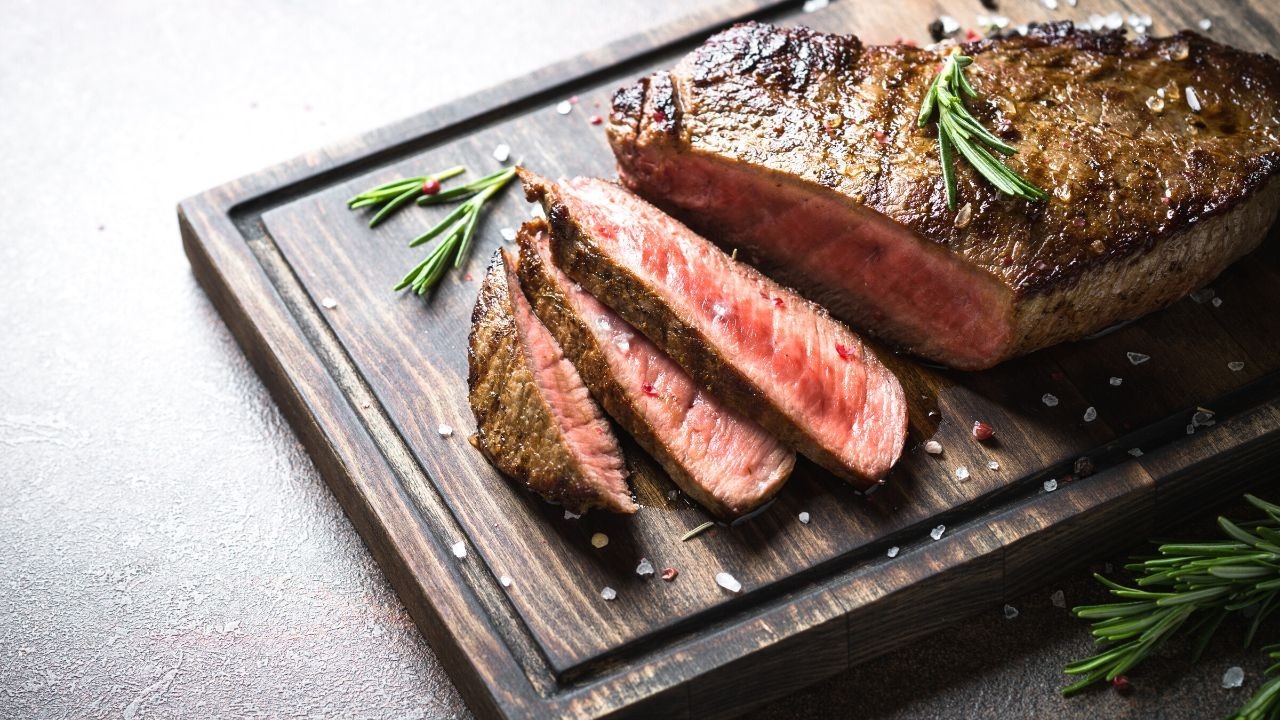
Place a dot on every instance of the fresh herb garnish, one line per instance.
(396, 194)
(1186, 581)
(456, 230)
(958, 130)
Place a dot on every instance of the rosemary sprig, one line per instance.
(958, 130)
(455, 231)
(1204, 581)
(396, 194)
(1265, 704)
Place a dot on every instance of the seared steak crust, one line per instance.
(535, 420)
(727, 463)
(756, 345)
(1151, 151)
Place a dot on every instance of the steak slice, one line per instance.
(760, 347)
(718, 457)
(537, 423)
(802, 149)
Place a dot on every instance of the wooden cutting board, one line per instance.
(367, 377)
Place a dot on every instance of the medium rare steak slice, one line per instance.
(802, 149)
(717, 456)
(536, 421)
(760, 347)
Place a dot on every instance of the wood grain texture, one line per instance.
(367, 382)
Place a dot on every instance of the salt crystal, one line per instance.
(1050, 485)
(608, 593)
(1233, 677)
(993, 465)
(1058, 599)
(505, 581)
(1193, 100)
(1205, 24)
(623, 342)
(933, 447)
(814, 5)
(1202, 296)
(804, 518)
(1136, 452)
(1235, 366)
(599, 540)
(936, 533)
(1096, 21)
(1191, 429)
(728, 582)
(502, 152)
(459, 549)
(950, 26)
(1050, 4)
(1090, 414)
(1202, 418)
(602, 322)
(892, 552)
(508, 234)
(1216, 302)
(644, 568)
(537, 212)
(329, 303)
(1010, 612)
(571, 515)
(1116, 382)
(1137, 358)
(444, 430)
(565, 107)
(962, 473)
(1115, 21)
(1050, 400)
(719, 310)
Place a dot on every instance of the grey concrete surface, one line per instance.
(168, 549)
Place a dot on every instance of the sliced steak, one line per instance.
(802, 149)
(760, 347)
(717, 456)
(537, 422)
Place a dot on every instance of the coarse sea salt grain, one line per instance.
(993, 465)
(1136, 452)
(1235, 366)
(1050, 4)
(936, 533)
(933, 447)
(728, 582)
(505, 581)
(1233, 677)
(815, 5)
(536, 212)
(571, 515)
(1010, 612)
(502, 152)
(1216, 302)
(1058, 599)
(508, 234)
(599, 540)
(1193, 100)
(623, 342)
(1201, 296)
(1137, 358)
(1050, 485)
(1116, 382)
(1205, 24)
(892, 552)
(1090, 414)
(644, 568)
(444, 430)
(459, 549)
(329, 303)
(962, 473)
(804, 518)
(608, 593)
(1050, 400)
(565, 107)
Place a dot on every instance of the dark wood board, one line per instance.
(367, 382)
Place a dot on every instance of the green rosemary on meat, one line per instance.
(959, 130)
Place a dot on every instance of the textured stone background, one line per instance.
(168, 549)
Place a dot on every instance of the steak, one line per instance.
(801, 148)
(537, 423)
(760, 347)
(717, 456)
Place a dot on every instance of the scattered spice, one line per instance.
(1216, 302)
(1090, 414)
(982, 432)
(645, 568)
(1010, 612)
(697, 531)
(1049, 399)
(993, 465)
(1235, 366)
(1083, 466)
(669, 573)
(505, 581)
(893, 551)
(844, 351)
(502, 152)
(445, 430)
(728, 582)
(599, 540)
(1205, 24)
(459, 549)
(608, 593)
(804, 518)
(962, 473)
(1202, 296)
(571, 515)
(329, 303)
(1050, 485)
(1115, 381)
(565, 107)
(1233, 678)
(647, 388)
(933, 447)
(1137, 358)
(936, 533)
(430, 186)
(596, 120)
(1058, 599)
(1193, 100)
(1122, 685)
(1135, 452)
(508, 234)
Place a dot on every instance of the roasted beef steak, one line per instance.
(721, 459)
(802, 149)
(760, 347)
(537, 423)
